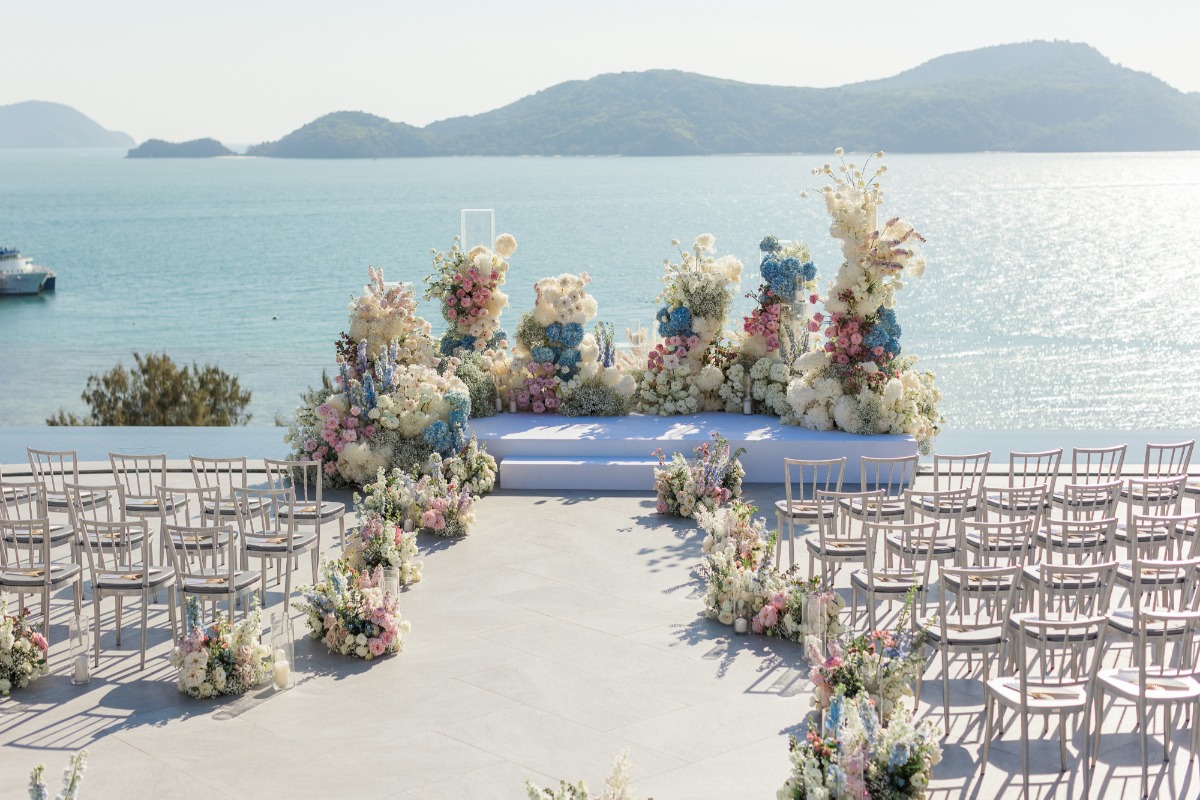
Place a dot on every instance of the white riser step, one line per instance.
(586, 472)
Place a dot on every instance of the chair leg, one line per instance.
(118, 599)
(791, 542)
(96, 633)
(1098, 703)
(316, 563)
(78, 594)
(1144, 722)
(945, 688)
(987, 731)
(46, 612)
(1062, 742)
(171, 599)
(1025, 750)
(145, 625)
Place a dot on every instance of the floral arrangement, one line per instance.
(474, 469)
(854, 757)
(881, 664)
(607, 393)
(616, 786)
(737, 562)
(798, 609)
(383, 543)
(22, 651)
(468, 284)
(427, 498)
(684, 371)
(384, 316)
(858, 382)
(72, 779)
(391, 406)
(556, 359)
(766, 380)
(220, 658)
(788, 279)
(711, 481)
(349, 612)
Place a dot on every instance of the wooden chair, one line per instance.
(840, 538)
(891, 583)
(892, 476)
(268, 533)
(1025, 469)
(225, 475)
(799, 506)
(27, 568)
(307, 480)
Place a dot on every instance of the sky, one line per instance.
(250, 71)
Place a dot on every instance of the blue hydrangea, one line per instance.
(809, 271)
(542, 354)
(459, 401)
(458, 418)
(569, 357)
(770, 244)
(572, 334)
(439, 436)
(886, 317)
(497, 337)
(554, 332)
(675, 322)
(877, 337)
(781, 276)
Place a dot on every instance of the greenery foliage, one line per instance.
(157, 391)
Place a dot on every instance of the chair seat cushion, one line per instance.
(308, 510)
(276, 542)
(995, 544)
(34, 575)
(201, 541)
(1161, 685)
(1014, 622)
(888, 508)
(131, 580)
(1121, 620)
(210, 582)
(1032, 574)
(802, 510)
(58, 500)
(946, 507)
(891, 581)
(58, 534)
(1040, 698)
(1155, 577)
(151, 505)
(1001, 501)
(107, 541)
(990, 635)
(835, 548)
(921, 546)
(991, 585)
(229, 508)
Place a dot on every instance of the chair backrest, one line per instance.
(1165, 585)
(1154, 496)
(913, 536)
(1088, 501)
(203, 550)
(1059, 652)
(983, 599)
(54, 468)
(838, 529)
(176, 505)
(1001, 544)
(22, 500)
(823, 475)
(1079, 542)
(223, 473)
(1074, 591)
(25, 549)
(139, 475)
(305, 478)
(1155, 662)
(1020, 502)
(1172, 537)
(117, 548)
(82, 504)
(1167, 460)
(1097, 464)
(1032, 468)
(892, 475)
(948, 507)
(266, 513)
(961, 472)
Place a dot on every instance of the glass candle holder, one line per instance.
(79, 635)
(478, 228)
(390, 582)
(283, 651)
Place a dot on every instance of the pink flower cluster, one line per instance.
(768, 617)
(765, 320)
(470, 296)
(540, 392)
(670, 352)
(337, 431)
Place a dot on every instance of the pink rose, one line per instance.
(39, 641)
(355, 410)
(375, 646)
(661, 506)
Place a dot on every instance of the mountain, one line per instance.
(1033, 96)
(34, 123)
(197, 148)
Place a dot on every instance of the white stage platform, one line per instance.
(538, 451)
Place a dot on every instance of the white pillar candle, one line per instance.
(81, 669)
(512, 406)
(283, 670)
(740, 625)
(746, 407)
(499, 404)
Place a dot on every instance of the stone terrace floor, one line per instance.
(564, 630)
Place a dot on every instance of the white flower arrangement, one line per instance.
(383, 543)
(384, 316)
(72, 779)
(616, 786)
(858, 382)
(22, 651)
(350, 613)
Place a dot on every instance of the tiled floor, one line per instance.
(562, 631)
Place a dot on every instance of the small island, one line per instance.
(197, 148)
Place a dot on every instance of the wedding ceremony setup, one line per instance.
(707, 554)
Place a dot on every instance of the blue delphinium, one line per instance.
(362, 356)
(368, 394)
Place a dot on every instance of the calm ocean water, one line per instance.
(1061, 289)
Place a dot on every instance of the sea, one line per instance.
(1061, 290)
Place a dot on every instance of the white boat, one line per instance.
(19, 275)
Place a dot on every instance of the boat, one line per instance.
(19, 275)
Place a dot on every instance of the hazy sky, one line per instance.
(248, 71)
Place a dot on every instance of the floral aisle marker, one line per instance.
(859, 382)
(616, 786)
(72, 779)
(350, 613)
(557, 365)
(740, 582)
(853, 757)
(22, 651)
(710, 482)
(383, 543)
(425, 499)
(684, 372)
(468, 286)
(222, 657)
